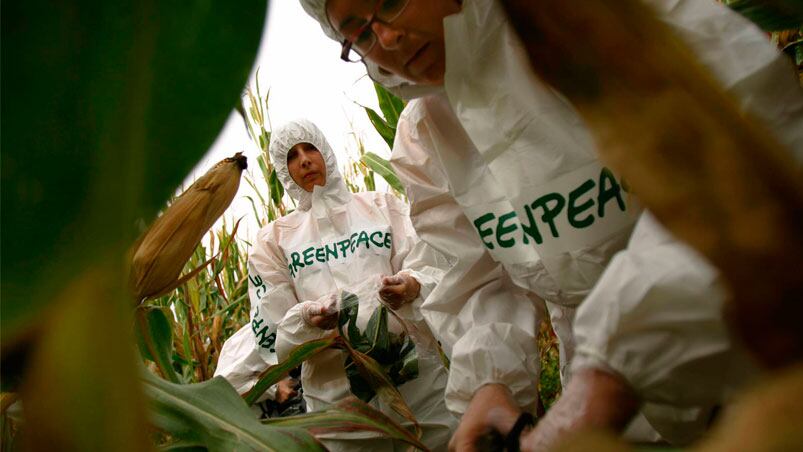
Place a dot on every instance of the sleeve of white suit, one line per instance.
(413, 256)
(487, 327)
(240, 363)
(656, 319)
(276, 314)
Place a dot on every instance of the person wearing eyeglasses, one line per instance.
(504, 178)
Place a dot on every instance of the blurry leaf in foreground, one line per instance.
(81, 392)
(661, 120)
(169, 243)
(213, 414)
(349, 415)
(766, 418)
(155, 338)
(106, 107)
(383, 168)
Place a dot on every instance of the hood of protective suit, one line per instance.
(399, 86)
(304, 131)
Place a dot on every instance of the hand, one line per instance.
(492, 409)
(593, 399)
(399, 289)
(321, 314)
(286, 389)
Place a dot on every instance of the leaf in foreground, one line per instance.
(349, 415)
(274, 373)
(213, 414)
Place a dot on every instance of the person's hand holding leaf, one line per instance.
(399, 289)
(321, 313)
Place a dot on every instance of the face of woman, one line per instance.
(411, 45)
(306, 166)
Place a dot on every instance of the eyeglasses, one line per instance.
(363, 39)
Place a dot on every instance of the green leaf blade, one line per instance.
(384, 169)
(213, 414)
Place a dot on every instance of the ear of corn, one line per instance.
(169, 243)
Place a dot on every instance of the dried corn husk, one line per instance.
(766, 418)
(168, 244)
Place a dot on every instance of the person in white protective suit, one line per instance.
(498, 164)
(334, 241)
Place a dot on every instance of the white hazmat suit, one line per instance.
(335, 241)
(512, 155)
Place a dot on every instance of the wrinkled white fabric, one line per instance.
(240, 363)
(487, 324)
(336, 241)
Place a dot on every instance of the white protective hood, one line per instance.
(303, 131)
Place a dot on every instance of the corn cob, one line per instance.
(168, 244)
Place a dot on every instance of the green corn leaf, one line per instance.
(106, 108)
(383, 168)
(377, 334)
(373, 373)
(390, 105)
(349, 415)
(155, 339)
(212, 414)
(349, 309)
(276, 188)
(274, 373)
(409, 368)
(387, 132)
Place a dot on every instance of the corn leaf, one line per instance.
(349, 309)
(274, 373)
(390, 105)
(276, 188)
(376, 333)
(349, 415)
(375, 376)
(106, 108)
(387, 132)
(155, 339)
(383, 168)
(81, 391)
(213, 414)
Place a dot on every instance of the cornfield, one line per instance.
(91, 149)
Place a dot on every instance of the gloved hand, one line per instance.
(321, 313)
(286, 389)
(399, 289)
(492, 409)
